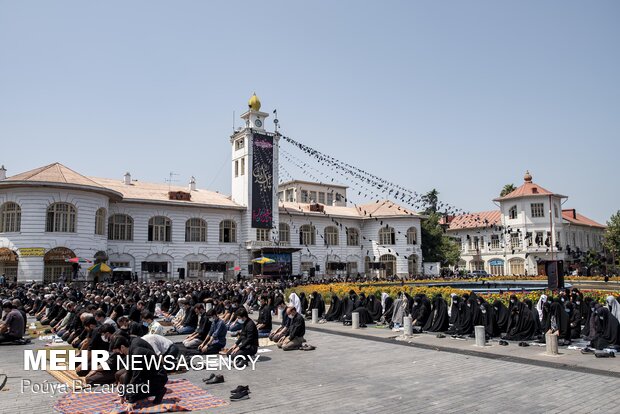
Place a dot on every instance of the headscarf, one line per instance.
(539, 306)
(293, 300)
(384, 296)
(614, 306)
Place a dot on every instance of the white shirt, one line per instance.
(159, 343)
(155, 328)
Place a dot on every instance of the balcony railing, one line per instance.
(253, 244)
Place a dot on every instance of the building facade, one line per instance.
(530, 228)
(52, 214)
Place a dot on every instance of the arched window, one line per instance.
(284, 233)
(228, 231)
(160, 229)
(517, 267)
(412, 235)
(100, 221)
(307, 235)
(196, 230)
(120, 227)
(353, 237)
(387, 235)
(331, 236)
(512, 213)
(10, 218)
(61, 218)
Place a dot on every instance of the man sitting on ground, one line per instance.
(297, 331)
(154, 327)
(151, 374)
(13, 326)
(264, 318)
(247, 344)
(204, 325)
(216, 339)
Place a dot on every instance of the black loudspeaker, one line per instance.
(317, 268)
(555, 274)
(251, 269)
(181, 272)
(311, 273)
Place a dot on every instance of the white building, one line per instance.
(52, 213)
(530, 228)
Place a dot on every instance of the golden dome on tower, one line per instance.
(254, 103)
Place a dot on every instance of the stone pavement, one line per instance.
(351, 374)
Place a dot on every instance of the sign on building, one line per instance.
(262, 181)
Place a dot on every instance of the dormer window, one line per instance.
(512, 213)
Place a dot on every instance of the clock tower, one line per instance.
(254, 172)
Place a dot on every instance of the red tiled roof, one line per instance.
(527, 189)
(573, 217)
(476, 220)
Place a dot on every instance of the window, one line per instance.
(114, 265)
(61, 218)
(512, 213)
(353, 237)
(262, 235)
(517, 267)
(555, 210)
(412, 235)
(304, 196)
(242, 166)
(306, 266)
(120, 227)
(538, 209)
(194, 269)
(387, 235)
(515, 240)
(284, 233)
(558, 240)
(307, 235)
(321, 198)
(412, 265)
(476, 265)
(281, 195)
(196, 230)
(10, 218)
(100, 221)
(239, 144)
(289, 195)
(494, 241)
(160, 229)
(330, 199)
(331, 236)
(313, 196)
(228, 231)
(539, 238)
(236, 168)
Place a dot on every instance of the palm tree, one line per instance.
(508, 188)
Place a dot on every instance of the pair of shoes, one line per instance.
(523, 344)
(159, 397)
(240, 395)
(240, 388)
(307, 347)
(503, 343)
(587, 350)
(440, 336)
(216, 379)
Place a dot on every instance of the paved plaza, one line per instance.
(369, 372)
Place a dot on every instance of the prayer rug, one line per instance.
(262, 342)
(68, 377)
(165, 323)
(182, 395)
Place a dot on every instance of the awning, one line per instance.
(100, 268)
(277, 250)
(122, 269)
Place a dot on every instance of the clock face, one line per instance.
(258, 123)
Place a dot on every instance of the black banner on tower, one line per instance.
(262, 181)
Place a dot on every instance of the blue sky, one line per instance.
(460, 96)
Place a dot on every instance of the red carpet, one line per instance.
(182, 395)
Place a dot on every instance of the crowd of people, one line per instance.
(137, 319)
(569, 315)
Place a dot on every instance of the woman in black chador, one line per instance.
(521, 326)
(607, 329)
(335, 309)
(374, 307)
(502, 315)
(559, 322)
(438, 321)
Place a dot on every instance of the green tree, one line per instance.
(612, 236)
(436, 245)
(430, 201)
(508, 188)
